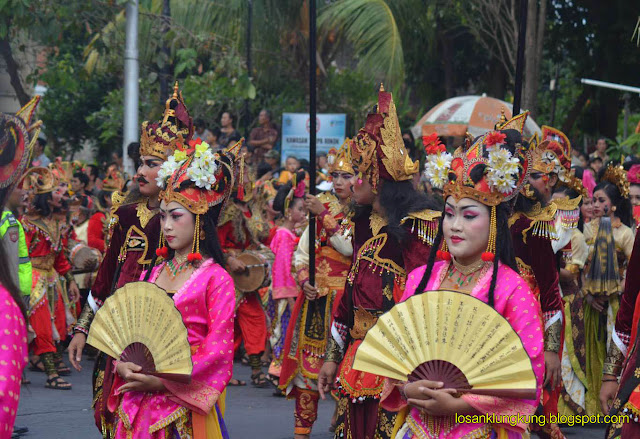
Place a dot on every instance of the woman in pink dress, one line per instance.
(15, 148)
(478, 260)
(284, 289)
(192, 272)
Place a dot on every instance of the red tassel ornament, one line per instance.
(443, 255)
(240, 193)
(488, 256)
(162, 252)
(193, 257)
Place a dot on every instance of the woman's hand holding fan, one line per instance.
(434, 400)
(136, 381)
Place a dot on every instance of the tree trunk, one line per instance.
(497, 81)
(447, 65)
(14, 74)
(608, 111)
(536, 18)
(576, 109)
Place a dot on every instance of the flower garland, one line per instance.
(502, 172)
(202, 169)
(438, 162)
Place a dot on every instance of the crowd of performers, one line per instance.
(504, 218)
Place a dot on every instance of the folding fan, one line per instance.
(450, 337)
(140, 323)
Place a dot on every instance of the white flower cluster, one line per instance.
(167, 169)
(437, 167)
(503, 170)
(202, 170)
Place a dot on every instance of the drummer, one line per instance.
(242, 228)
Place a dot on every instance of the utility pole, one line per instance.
(249, 66)
(131, 74)
(522, 33)
(166, 69)
(312, 137)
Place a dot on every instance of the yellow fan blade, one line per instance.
(142, 312)
(449, 326)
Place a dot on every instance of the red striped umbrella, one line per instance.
(475, 114)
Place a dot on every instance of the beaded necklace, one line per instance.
(463, 274)
(176, 266)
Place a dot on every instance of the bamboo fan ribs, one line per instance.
(140, 323)
(450, 337)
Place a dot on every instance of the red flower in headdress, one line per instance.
(633, 175)
(432, 144)
(495, 138)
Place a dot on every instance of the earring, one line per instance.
(613, 209)
(195, 247)
(163, 250)
(443, 253)
(490, 254)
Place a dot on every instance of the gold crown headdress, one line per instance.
(175, 129)
(39, 180)
(340, 160)
(17, 136)
(378, 149)
(618, 176)
(198, 179)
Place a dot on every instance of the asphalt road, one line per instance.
(251, 412)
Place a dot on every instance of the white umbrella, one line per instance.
(475, 114)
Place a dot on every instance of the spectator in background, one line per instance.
(40, 159)
(212, 139)
(595, 163)
(228, 134)
(272, 158)
(263, 137)
(291, 165)
(116, 157)
(79, 182)
(133, 151)
(93, 174)
(409, 143)
(248, 156)
(601, 151)
(201, 131)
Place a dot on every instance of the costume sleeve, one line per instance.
(14, 342)
(224, 235)
(545, 270)
(282, 283)
(579, 250)
(522, 311)
(415, 253)
(95, 232)
(61, 263)
(301, 258)
(627, 243)
(25, 270)
(620, 337)
(104, 279)
(213, 360)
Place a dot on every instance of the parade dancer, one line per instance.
(532, 228)
(242, 228)
(289, 201)
(18, 135)
(310, 322)
(393, 229)
(135, 231)
(192, 272)
(478, 182)
(44, 239)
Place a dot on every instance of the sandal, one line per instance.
(62, 369)
(57, 383)
(234, 382)
(259, 380)
(244, 360)
(273, 380)
(279, 393)
(37, 366)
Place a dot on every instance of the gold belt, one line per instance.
(43, 262)
(363, 321)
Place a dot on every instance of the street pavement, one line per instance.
(250, 412)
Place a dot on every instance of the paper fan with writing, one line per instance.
(450, 337)
(140, 323)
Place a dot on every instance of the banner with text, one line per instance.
(330, 133)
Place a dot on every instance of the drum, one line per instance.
(84, 259)
(256, 274)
